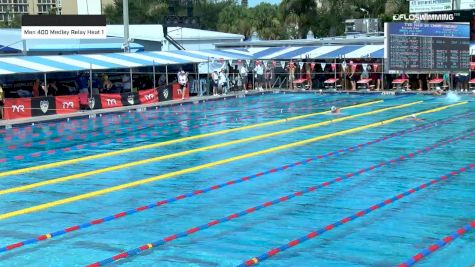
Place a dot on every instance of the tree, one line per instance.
(299, 14)
(267, 22)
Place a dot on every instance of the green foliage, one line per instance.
(290, 19)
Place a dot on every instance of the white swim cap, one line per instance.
(333, 108)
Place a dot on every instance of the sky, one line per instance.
(256, 2)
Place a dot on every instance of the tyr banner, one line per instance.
(67, 104)
(17, 108)
(111, 100)
(148, 96)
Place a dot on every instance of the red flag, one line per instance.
(375, 67)
(333, 66)
(312, 65)
(472, 65)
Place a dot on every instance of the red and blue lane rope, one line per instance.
(146, 125)
(438, 245)
(119, 215)
(153, 134)
(353, 217)
(190, 231)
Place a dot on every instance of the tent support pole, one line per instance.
(131, 81)
(208, 83)
(166, 73)
(382, 74)
(46, 84)
(90, 78)
(154, 79)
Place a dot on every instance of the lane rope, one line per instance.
(353, 217)
(438, 245)
(169, 142)
(123, 214)
(192, 151)
(274, 202)
(208, 165)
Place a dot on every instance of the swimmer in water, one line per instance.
(413, 117)
(335, 110)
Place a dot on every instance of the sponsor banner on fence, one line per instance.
(17, 108)
(111, 100)
(45, 105)
(67, 104)
(177, 93)
(94, 102)
(148, 96)
(165, 93)
(130, 99)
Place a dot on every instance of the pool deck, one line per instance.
(192, 100)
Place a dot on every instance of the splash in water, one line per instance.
(452, 97)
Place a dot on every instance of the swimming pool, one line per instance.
(213, 183)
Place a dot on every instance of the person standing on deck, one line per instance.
(291, 71)
(182, 81)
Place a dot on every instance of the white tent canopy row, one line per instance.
(46, 64)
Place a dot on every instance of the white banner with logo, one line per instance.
(417, 6)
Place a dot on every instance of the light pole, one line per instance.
(125, 7)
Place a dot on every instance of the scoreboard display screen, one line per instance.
(427, 47)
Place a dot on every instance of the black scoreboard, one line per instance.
(424, 47)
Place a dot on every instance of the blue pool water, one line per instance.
(385, 237)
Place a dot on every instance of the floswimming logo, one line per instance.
(44, 105)
(431, 17)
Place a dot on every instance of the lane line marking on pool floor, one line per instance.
(353, 217)
(191, 151)
(438, 245)
(175, 141)
(333, 154)
(209, 165)
(253, 210)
